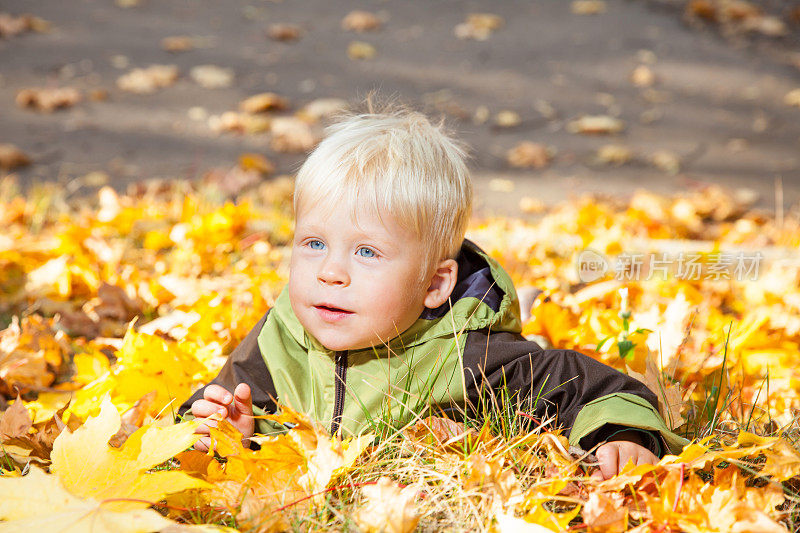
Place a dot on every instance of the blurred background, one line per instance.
(555, 98)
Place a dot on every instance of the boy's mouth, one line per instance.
(330, 313)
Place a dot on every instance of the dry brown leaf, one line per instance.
(642, 76)
(792, 98)
(490, 477)
(529, 154)
(240, 123)
(606, 512)
(133, 419)
(670, 400)
(507, 119)
(389, 508)
(212, 76)
(264, 102)
(765, 25)
(596, 125)
(230, 183)
(532, 205)
(284, 32)
(290, 134)
(11, 26)
(113, 303)
(256, 162)
(29, 355)
(613, 154)
(666, 161)
(148, 80)
(361, 21)
(17, 431)
(322, 108)
(15, 421)
(588, 7)
(177, 43)
(479, 26)
(48, 100)
(361, 50)
(12, 157)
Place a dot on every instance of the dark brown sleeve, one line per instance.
(244, 365)
(506, 370)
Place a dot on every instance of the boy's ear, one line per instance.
(442, 283)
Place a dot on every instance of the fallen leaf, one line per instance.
(256, 162)
(792, 98)
(507, 119)
(670, 400)
(613, 154)
(39, 502)
(15, 422)
(240, 122)
(284, 32)
(389, 508)
(212, 76)
(479, 26)
(121, 472)
(596, 125)
(133, 419)
(532, 205)
(494, 479)
(529, 155)
(11, 26)
(666, 161)
(361, 21)
(290, 134)
(12, 157)
(605, 511)
(177, 43)
(148, 80)
(588, 7)
(322, 108)
(29, 355)
(642, 76)
(361, 50)
(263, 102)
(48, 100)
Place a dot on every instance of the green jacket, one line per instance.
(466, 355)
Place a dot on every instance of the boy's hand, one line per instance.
(614, 455)
(237, 408)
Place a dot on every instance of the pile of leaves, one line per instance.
(113, 309)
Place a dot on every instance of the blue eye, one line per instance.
(365, 252)
(316, 244)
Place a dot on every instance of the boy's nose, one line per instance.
(332, 272)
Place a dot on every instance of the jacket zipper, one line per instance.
(340, 379)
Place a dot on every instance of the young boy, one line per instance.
(389, 310)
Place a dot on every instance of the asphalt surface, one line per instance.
(717, 103)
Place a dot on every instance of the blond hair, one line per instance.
(399, 163)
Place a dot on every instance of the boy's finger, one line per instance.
(216, 393)
(206, 408)
(203, 444)
(608, 456)
(243, 399)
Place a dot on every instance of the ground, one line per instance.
(717, 102)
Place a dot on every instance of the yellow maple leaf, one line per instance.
(39, 502)
(121, 473)
(389, 508)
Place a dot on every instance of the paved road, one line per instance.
(718, 106)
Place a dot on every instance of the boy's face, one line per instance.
(354, 283)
